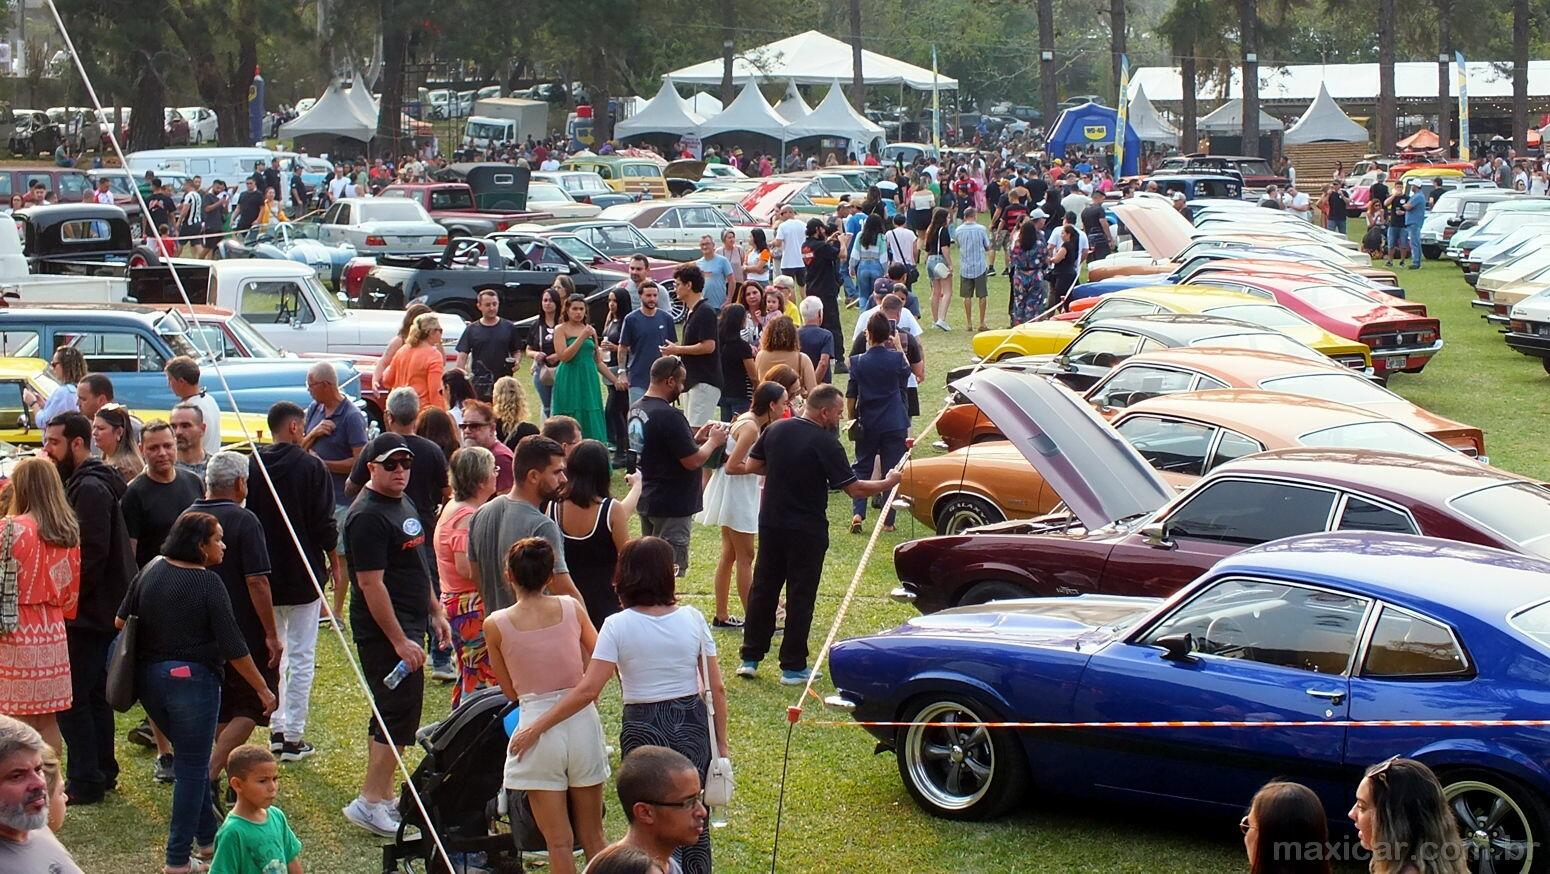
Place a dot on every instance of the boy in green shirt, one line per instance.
(255, 838)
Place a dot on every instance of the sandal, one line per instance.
(855, 525)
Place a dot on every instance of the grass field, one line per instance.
(845, 809)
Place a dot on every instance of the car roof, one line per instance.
(1186, 296)
(1179, 329)
(1280, 417)
(1422, 573)
(16, 366)
(1403, 478)
(1240, 367)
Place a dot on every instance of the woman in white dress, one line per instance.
(732, 500)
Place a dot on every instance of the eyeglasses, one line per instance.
(395, 464)
(689, 803)
(470, 426)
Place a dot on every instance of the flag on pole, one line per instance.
(1463, 89)
(1123, 121)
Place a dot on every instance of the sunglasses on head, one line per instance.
(395, 464)
(1381, 771)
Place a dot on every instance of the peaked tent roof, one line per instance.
(1147, 123)
(1228, 119)
(750, 113)
(1325, 122)
(811, 58)
(793, 108)
(705, 105)
(666, 113)
(1421, 139)
(835, 117)
(336, 113)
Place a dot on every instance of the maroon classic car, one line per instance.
(1128, 533)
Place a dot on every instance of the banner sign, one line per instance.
(1463, 90)
(1122, 124)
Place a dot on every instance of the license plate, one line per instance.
(1390, 361)
(1542, 330)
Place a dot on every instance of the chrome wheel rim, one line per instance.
(952, 767)
(961, 518)
(1498, 837)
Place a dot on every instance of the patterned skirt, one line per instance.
(678, 724)
(35, 664)
(465, 613)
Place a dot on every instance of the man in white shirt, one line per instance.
(183, 379)
(899, 243)
(1074, 202)
(340, 185)
(907, 322)
(1297, 203)
(789, 236)
(550, 164)
(933, 169)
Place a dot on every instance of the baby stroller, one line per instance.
(460, 781)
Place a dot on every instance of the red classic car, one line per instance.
(1128, 533)
(1401, 342)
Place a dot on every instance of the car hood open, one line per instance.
(1159, 229)
(1101, 478)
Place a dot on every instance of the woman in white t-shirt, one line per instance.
(656, 647)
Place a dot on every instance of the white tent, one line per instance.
(749, 113)
(1324, 122)
(666, 113)
(1228, 119)
(337, 114)
(834, 117)
(811, 58)
(1148, 124)
(704, 105)
(793, 108)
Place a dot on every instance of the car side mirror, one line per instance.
(1062, 362)
(1156, 534)
(296, 323)
(1177, 647)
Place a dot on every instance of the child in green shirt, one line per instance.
(255, 838)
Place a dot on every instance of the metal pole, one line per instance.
(936, 104)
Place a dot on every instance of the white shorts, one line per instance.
(700, 404)
(572, 754)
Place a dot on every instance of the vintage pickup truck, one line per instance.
(452, 205)
(519, 266)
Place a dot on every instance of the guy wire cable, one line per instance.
(336, 625)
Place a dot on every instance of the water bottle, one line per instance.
(400, 673)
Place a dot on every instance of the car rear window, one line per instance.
(1266, 342)
(1342, 388)
(1519, 512)
(1390, 436)
(391, 211)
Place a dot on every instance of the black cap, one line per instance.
(385, 445)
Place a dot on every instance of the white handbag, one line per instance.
(718, 780)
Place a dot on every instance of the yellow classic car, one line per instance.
(19, 374)
(1051, 335)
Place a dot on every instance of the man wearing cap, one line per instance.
(392, 606)
(1181, 204)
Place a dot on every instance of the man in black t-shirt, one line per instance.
(702, 385)
(154, 501)
(802, 454)
(821, 257)
(160, 206)
(1095, 224)
(670, 455)
(249, 202)
(392, 606)
(485, 350)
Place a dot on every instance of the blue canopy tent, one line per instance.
(1093, 124)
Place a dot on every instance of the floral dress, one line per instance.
(1028, 288)
(34, 661)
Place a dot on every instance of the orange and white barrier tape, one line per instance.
(1312, 723)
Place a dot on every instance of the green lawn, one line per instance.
(845, 808)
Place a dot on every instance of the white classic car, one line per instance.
(381, 226)
(551, 198)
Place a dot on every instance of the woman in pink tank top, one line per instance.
(539, 648)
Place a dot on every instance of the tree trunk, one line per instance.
(1047, 92)
(597, 93)
(194, 32)
(150, 97)
(1520, 35)
(1444, 74)
(728, 23)
(1189, 138)
(857, 81)
(395, 44)
(241, 84)
(1248, 25)
(1116, 42)
(1388, 133)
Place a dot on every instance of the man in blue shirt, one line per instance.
(973, 243)
(1415, 214)
(334, 431)
(874, 397)
(641, 339)
(717, 270)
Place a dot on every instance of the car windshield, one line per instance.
(1519, 512)
(1342, 388)
(325, 301)
(483, 130)
(1265, 342)
(174, 330)
(577, 248)
(620, 239)
(384, 209)
(258, 346)
(541, 192)
(1390, 436)
(1264, 315)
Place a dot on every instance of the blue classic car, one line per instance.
(291, 241)
(1323, 628)
(132, 344)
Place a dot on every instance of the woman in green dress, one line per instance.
(577, 393)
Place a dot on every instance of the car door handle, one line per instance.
(1334, 696)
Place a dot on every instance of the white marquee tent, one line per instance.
(834, 117)
(1413, 80)
(666, 113)
(793, 108)
(1147, 123)
(1324, 122)
(337, 113)
(1228, 119)
(811, 58)
(749, 113)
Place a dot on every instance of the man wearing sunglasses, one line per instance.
(478, 427)
(392, 608)
(664, 804)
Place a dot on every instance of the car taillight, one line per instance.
(1447, 233)
(1427, 336)
(355, 276)
(501, 226)
(1518, 326)
(375, 240)
(441, 240)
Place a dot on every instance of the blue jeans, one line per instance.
(867, 273)
(545, 392)
(890, 446)
(850, 285)
(185, 709)
(1337, 225)
(1413, 230)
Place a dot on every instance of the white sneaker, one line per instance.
(941, 325)
(379, 818)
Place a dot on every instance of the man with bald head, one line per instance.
(335, 431)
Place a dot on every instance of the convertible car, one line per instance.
(291, 241)
(1331, 627)
(1129, 532)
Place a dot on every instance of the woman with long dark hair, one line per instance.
(595, 525)
(1064, 254)
(658, 648)
(1286, 831)
(756, 261)
(939, 266)
(1027, 261)
(868, 255)
(750, 296)
(458, 390)
(737, 357)
(540, 339)
(578, 363)
(1404, 820)
(437, 426)
(617, 404)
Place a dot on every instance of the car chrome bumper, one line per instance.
(1532, 345)
(902, 595)
(1496, 318)
(1484, 304)
(1403, 358)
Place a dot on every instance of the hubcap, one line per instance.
(1497, 833)
(951, 767)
